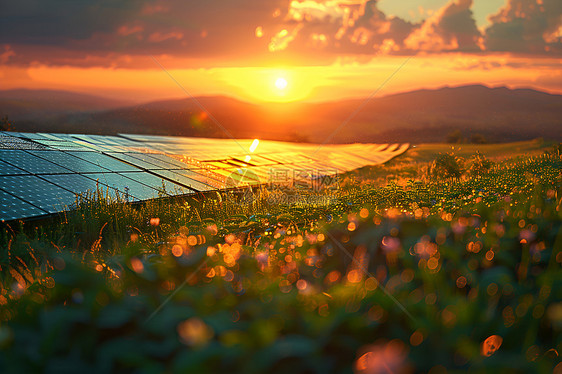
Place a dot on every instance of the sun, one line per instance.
(281, 83)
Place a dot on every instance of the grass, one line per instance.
(423, 273)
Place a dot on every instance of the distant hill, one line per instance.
(498, 114)
(21, 104)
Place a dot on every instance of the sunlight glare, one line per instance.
(281, 83)
(254, 145)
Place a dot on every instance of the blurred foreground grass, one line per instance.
(429, 272)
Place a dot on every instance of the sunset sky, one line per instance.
(278, 50)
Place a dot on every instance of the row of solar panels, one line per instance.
(42, 173)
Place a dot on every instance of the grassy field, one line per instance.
(413, 164)
(435, 262)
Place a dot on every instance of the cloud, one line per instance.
(119, 34)
(526, 26)
(345, 27)
(187, 29)
(8, 52)
(450, 29)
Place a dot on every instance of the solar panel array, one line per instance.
(42, 173)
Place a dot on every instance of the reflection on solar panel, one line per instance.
(42, 173)
(105, 161)
(183, 180)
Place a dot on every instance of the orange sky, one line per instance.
(324, 50)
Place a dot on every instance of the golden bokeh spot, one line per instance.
(192, 240)
(137, 265)
(364, 213)
(177, 250)
(416, 338)
(491, 345)
(461, 282)
(194, 332)
(371, 284)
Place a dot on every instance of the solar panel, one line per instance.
(176, 164)
(13, 142)
(208, 178)
(75, 164)
(62, 145)
(38, 192)
(157, 183)
(43, 172)
(7, 169)
(155, 162)
(13, 208)
(30, 163)
(183, 180)
(28, 135)
(127, 157)
(127, 186)
(104, 161)
(75, 183)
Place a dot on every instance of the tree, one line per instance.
(5, 124)
(454, 137)
(478, 139)
(479, 164)
(448, 166)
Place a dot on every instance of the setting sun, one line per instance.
(281, 83)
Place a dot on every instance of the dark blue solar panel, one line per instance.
(104, 161)
(137, 161)
(7, 169)
(159, 184)
(13, 208)
(68, 161)
(77, 183)
(30, 163)
(126, 186)
(183, 180)
(38, 192)
(152, 160)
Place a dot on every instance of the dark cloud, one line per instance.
(210, 28)
(526, 26)
(118, 33)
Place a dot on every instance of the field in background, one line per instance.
(407, 267)
(414, 163)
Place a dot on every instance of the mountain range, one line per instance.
(495, 114)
